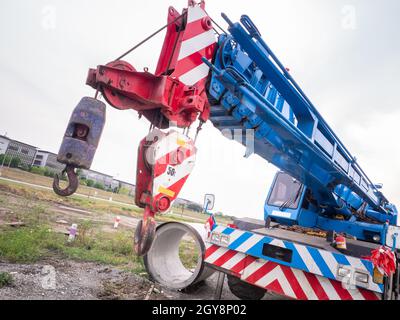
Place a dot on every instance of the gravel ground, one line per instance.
(63, 279)
(71, 280)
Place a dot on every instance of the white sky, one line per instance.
(348, 67)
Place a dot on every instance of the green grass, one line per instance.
(106, 248)
(189, 254)
(94, 205)
(6, 279)
(36, 240)
(25, 244)
(31, 244)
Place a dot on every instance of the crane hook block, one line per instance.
(83, 134)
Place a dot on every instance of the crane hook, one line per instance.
(73, 182)
(145, 233)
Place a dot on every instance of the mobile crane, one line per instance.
(234, 80)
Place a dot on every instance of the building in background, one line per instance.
(126, 187)
(187, 204)
(46, 159)
(115, 186)
(32, 156)
(4, 141)
(25, 152)
(98, 177)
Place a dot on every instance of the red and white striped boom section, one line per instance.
(175, 93)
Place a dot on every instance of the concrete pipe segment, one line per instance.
(163, 263)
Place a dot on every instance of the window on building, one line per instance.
(13, 148)
(39, 156)
(24, 151)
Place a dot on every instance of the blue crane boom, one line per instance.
(251, 92)
(248, 93)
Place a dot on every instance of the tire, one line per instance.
(244, 290)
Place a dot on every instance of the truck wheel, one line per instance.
(244, 290)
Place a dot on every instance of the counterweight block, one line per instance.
(83, 133)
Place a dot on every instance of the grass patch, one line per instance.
(113, 249)
(36, 215)
(189, 254)
(6, 279)
(31, 244)
(25, 245)
(88, 203)
(36, 240)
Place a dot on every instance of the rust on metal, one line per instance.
(73, 182)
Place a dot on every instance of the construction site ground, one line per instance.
(99, 264)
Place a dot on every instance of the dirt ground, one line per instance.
(91, 281)
(56, 278)
(79, 279)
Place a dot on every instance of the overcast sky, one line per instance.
(344, 54)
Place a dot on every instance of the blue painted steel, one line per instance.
(251, 90)
(310, 259)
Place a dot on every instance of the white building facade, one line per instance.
(4, 142)
(49, 160)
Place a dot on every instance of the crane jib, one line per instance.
(300, 142)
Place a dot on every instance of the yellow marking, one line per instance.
(166, 191)
(181, 142)
(378, 277)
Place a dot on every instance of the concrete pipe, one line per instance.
(163, 262)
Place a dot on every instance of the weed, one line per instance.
(85, 234)
(6, 279)
(36, 215)
(189, 254)
(36, 241)
(25, 244)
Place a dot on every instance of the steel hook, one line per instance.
(144, 235)
(73, 182)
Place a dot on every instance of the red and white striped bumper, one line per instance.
(283, 280)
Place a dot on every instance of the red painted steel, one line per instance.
(164, 97)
